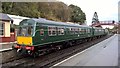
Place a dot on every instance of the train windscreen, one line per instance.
(26, 29)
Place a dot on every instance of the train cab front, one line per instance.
(24, 37)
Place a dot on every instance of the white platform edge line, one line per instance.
(8, 43)
(5, 49)
(78, 53)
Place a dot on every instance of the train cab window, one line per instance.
(25, 31)
(41, 31)
(29, 30)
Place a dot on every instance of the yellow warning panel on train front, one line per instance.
(24, 40)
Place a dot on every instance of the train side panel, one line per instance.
(45, 38)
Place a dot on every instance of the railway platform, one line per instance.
(6, 46)
(104, 53)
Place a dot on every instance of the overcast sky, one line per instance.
(106, 9)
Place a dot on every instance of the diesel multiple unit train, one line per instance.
(38, 36)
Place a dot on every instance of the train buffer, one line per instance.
(104, 53)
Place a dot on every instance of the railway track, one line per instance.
(52, 58)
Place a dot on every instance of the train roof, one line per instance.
(49, 22)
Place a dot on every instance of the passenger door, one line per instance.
(43, 34)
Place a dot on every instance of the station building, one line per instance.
(5, 31)
(7, 34)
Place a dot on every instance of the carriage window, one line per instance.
(72, 30)
(60, 31)
(68, 30)
(41, 31)
(96, 30)
(88, 30)
(99, 30)
(76, 30)
(51, 31)
(83, 30)
(80, 30)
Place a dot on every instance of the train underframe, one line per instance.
(45, 49)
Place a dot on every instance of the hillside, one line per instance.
(57, 11)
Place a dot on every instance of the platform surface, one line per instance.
(104, 53)
(6, 46)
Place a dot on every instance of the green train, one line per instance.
(38, 36)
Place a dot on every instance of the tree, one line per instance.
(57, 11)
(77, 15)
(7, 7)
(28, 9)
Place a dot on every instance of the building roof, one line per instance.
(17, 19)
(5, 17)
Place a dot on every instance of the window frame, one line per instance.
(88, 30)
(24, 31)
(2, 30)
(59, 30)
(76, 30)
(51, 29)
(42, 32)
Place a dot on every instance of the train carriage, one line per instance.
(98, 31)
(36, 33)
